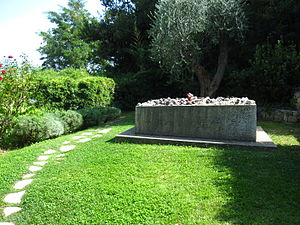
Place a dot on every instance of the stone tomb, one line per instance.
(220, 122)
(217, 121)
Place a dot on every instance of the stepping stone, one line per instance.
(50, 151)
(84, 140)
(97, 135)
(67, 148)
(66, 142)
(104, 131)
(6, 223)
(77, 137)
(59, 159)
(14, 198)
(10, 210)
(40, 163)
(35, 168)
(60, 155)
(43, 157)
(21, 184)
(87, 133)
(26, 176)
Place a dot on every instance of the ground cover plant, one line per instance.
(103, 182)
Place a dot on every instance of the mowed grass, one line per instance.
(103, 182)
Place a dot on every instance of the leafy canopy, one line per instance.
(64, 45)
(185, 30)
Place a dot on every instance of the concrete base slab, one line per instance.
(262, 140)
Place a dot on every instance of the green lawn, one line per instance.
(103, 182)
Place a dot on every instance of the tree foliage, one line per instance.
(63, 45)
(184, 32)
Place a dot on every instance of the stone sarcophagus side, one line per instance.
(221, 122)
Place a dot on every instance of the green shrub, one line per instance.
(71, 120)
(44, 125)
(29, 129)
(272, 77)
(68, 93)
(15, 86)
(54, 126)
(98, 115)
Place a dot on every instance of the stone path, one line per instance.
(49, 155)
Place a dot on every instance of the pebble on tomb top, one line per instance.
(197, 101)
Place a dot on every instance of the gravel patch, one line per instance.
(197, 101)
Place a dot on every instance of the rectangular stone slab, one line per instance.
(221, 122)
(263, 141)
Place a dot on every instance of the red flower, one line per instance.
(1, 78)
(1, 65)
(10, 57)
(3, 71)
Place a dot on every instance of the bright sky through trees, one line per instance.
(21, 20)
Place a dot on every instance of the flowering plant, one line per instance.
(15, 84)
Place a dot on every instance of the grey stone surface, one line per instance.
(263, 141)
(35, 168)
(278, 115)
(40, 163)
(97, 135)
(49, 151)
(84, 140)
(22, 184)
(222, 122)
(87, 133)
(77, 137)
(7, 211)
(14, 198)
(43, 157)
(104, 131)
(67, 148)
(26, 176)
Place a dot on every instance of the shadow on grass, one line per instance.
(263, 187)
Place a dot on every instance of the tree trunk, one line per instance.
(208, 86)
(222, 64)
(203, 79)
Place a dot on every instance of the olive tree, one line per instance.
(184, 30)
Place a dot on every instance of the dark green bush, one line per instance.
(98, 115)
(68, 91)
(272, 78)
(71, 120)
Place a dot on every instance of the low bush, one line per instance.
(29, 129)
(71, 120)
(53, 126)
(98, 115)
(41, 126)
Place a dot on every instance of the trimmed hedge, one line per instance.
(68, 93)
